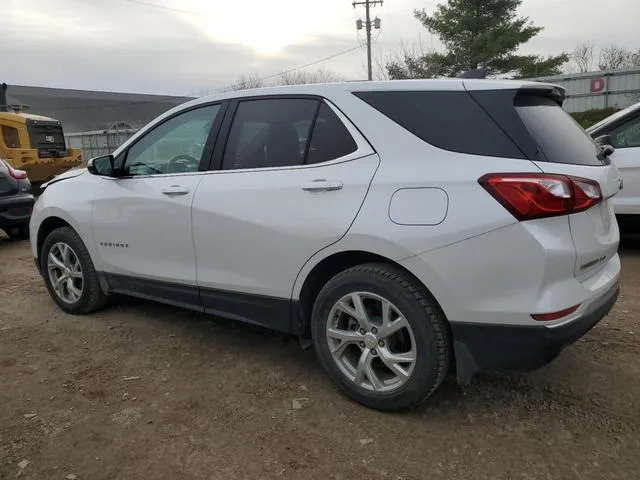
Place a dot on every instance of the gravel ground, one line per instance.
(144, 391)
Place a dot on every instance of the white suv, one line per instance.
(622, 131)
(406, 227)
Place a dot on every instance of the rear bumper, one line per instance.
(15, 210)
(483, 347)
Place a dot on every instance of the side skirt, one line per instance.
(184, 296)
(270, 312)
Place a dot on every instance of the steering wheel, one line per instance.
(183, 163)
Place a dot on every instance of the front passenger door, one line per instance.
(626, 140)
(142, 219)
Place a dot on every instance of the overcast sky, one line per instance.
(124, 45)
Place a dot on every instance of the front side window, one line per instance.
(175, 146)
(10, 137)
(269, 133)
(626, 135)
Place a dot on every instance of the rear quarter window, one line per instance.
(448, 120)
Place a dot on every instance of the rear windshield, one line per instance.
(560, 138)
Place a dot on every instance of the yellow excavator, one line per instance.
(33, 143)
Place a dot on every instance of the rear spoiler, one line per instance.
(555, 92)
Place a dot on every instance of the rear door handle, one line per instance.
(322, 185)
(175, 190)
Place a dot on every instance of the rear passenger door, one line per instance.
(287, 182)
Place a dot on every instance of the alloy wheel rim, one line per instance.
(65, 273)
(371, 342)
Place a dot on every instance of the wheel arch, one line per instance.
(47, 218)
(330, 265)
(47, 226)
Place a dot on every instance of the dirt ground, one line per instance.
(143, 391)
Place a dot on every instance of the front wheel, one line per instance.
(69, 273)
(381, 337)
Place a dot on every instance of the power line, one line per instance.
(163, 7)
(171, 98)
(200, 14)
(306, 65)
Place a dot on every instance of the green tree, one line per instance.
(477, 34)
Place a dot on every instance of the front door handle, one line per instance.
(175, 190)
(322, 185)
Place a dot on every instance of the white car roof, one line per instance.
(440, 84)
(330, 90)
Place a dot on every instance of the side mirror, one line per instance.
(102, 166)
(607, 150)
(603, 140)
(605, 144)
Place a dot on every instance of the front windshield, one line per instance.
(614, 117)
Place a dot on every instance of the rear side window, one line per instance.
(269, 133)
(560, 138)
(330, 138)
(448, 120)
(10, 137)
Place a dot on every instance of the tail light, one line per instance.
(539, 195)
(17, 174)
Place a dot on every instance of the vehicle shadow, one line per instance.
(488, 396)
(233, 336)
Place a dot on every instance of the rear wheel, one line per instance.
(20, 232)
(69, 273)
(381, 337)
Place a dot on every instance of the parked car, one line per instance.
(16, 201)
(622, 131)
(424, 224)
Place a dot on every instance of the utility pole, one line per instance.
(368, 23)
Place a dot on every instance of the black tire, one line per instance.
(92, 298)
(428, 323)
(19, 232)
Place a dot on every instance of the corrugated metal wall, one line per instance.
(98, 142)
(594, 90)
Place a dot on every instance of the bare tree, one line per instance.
(380, 67)
(245, 82)
(614, 57)
(301, 77)
(582, 58)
